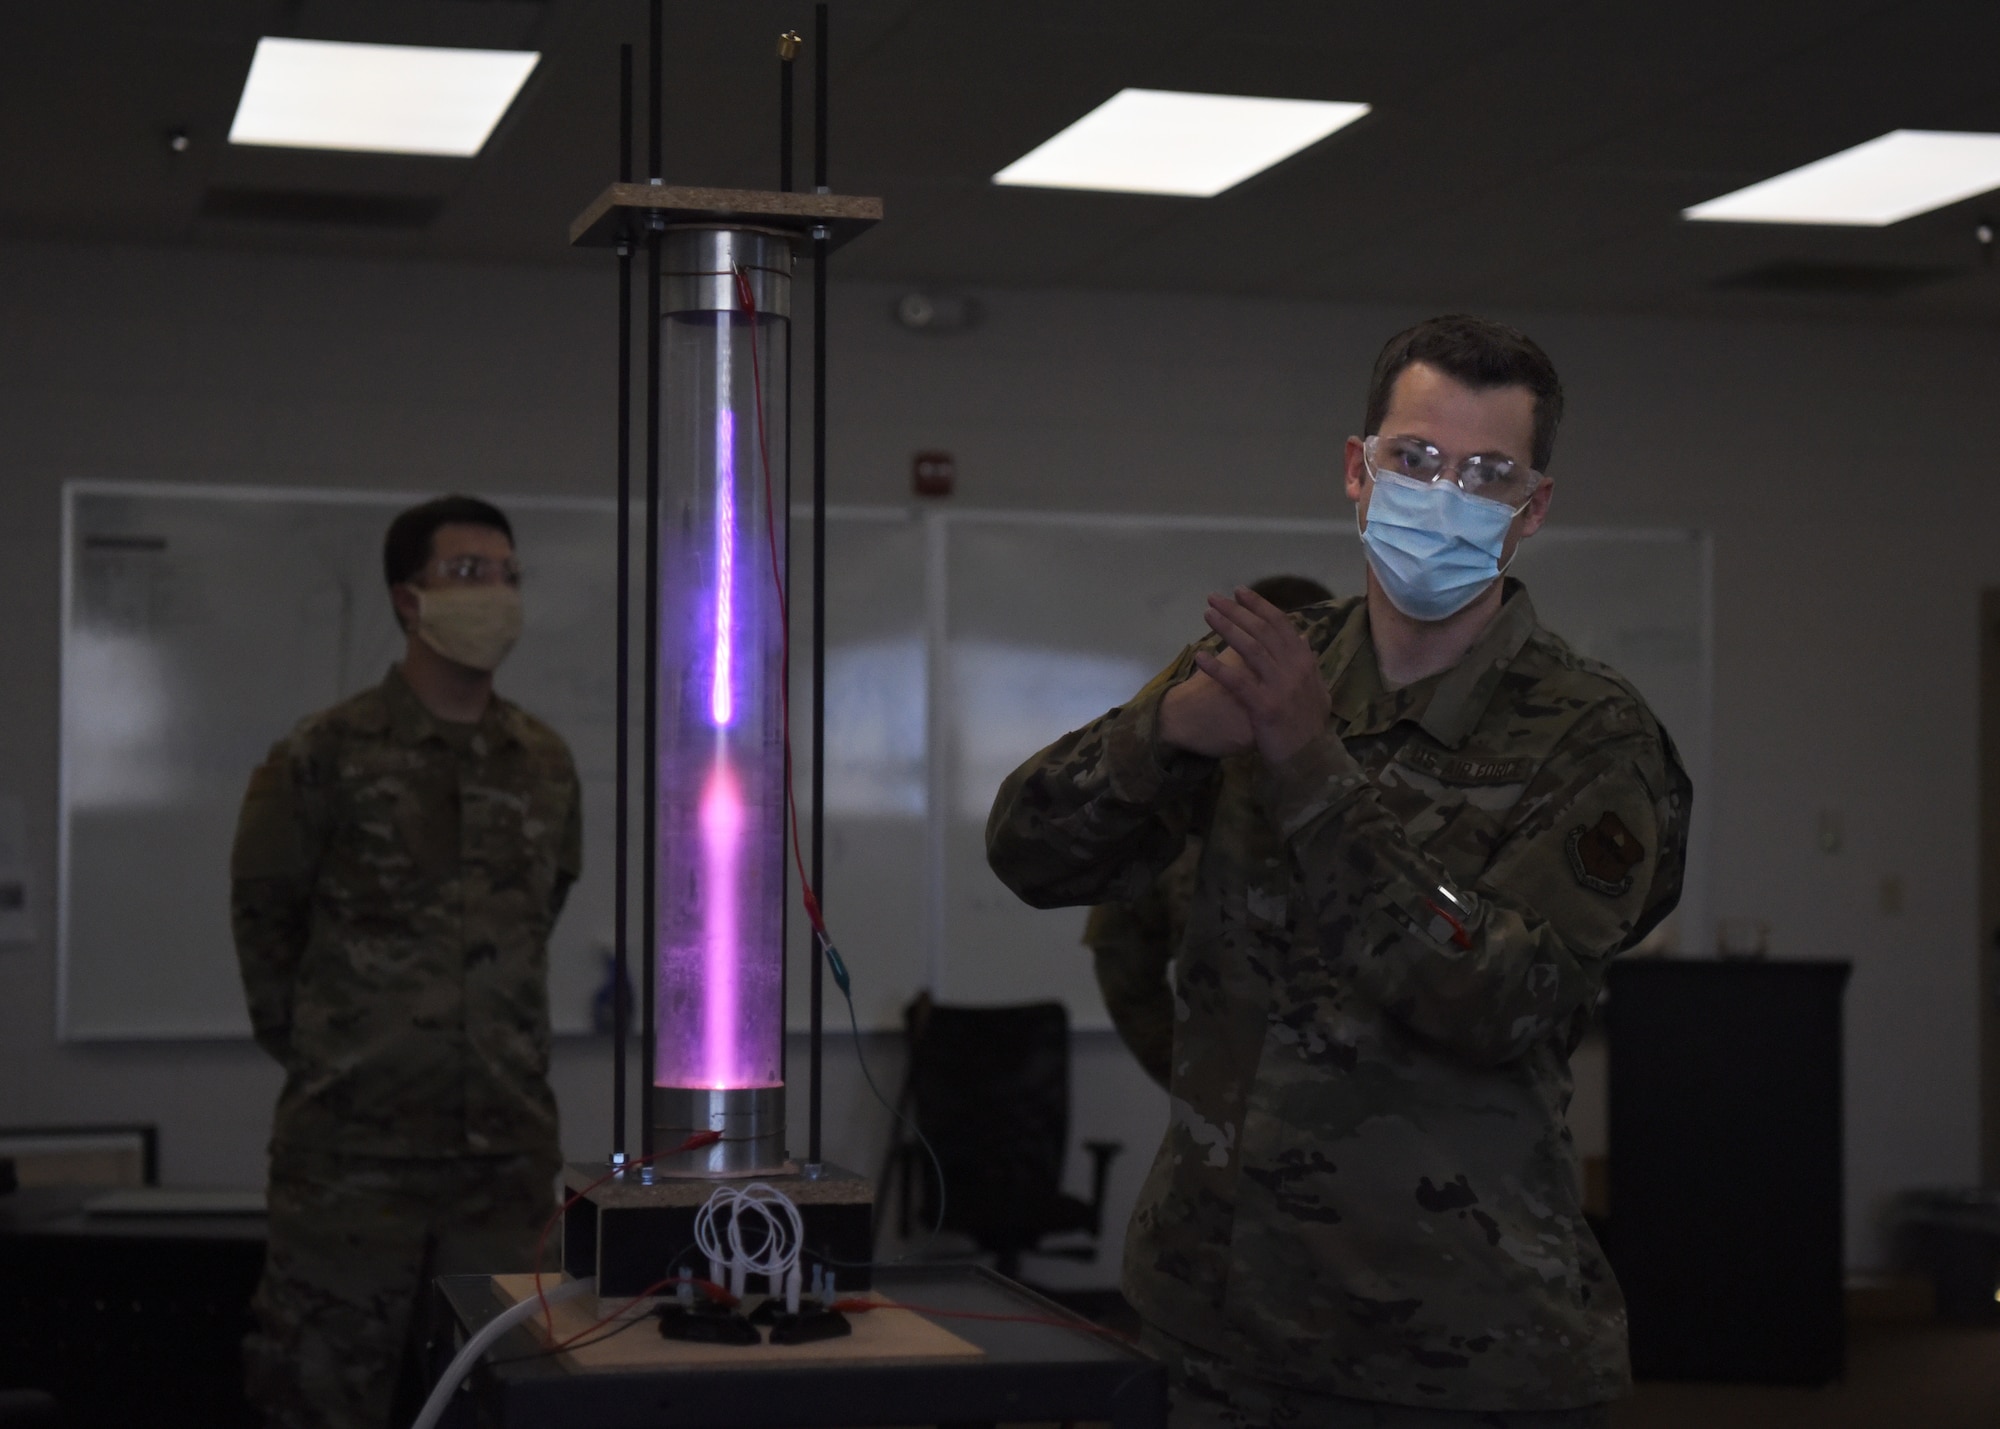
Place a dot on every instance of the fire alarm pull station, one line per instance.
(932, 473)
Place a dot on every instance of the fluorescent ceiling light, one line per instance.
(381, 99)
(1156, 141)
(1884, 181)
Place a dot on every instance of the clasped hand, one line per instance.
(1264, 691)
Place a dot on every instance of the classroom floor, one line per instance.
(1926, 1376)
(1899, 1376)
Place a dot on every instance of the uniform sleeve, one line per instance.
(1100, 813)
(1489, 971)
(569, 861)
(271, 873)
(1129, 944)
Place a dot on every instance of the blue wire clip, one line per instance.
(839, 968)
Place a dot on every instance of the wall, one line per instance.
(1837, 466)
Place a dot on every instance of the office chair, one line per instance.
(989, 1089)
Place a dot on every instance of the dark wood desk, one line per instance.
(1050, 1372)
(126, 1320)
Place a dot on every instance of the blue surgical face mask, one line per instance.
(1433, 548)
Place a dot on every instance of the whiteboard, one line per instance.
(1051, 620)
(877, 761)
(201, 623)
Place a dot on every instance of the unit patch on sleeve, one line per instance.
(1602, 855)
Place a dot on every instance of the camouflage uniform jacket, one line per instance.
(394, 882)
(1132, 947)
(1367, 1187)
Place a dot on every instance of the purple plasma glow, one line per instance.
(720, 814)
(721, 846)
(721, 700)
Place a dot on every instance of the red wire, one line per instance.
(806, 892)
(651, 1290)
(707, 1287)
(854, 1306)
(851, 1306)
(810, 899)
(693, 1143)
(1458, 933)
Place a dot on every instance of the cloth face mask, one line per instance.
(1433, 548)
(473, 626)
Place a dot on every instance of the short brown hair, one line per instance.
(1481, 354)
(406, 549)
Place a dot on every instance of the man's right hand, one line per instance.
(1201, 717)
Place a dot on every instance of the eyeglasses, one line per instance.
(475, 570)
(1498, 479)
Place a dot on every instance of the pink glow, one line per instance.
(722, 701)
(721, 838)
(720, 812)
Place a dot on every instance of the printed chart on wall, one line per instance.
(202, 623)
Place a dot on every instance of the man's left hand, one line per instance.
(1277, 683)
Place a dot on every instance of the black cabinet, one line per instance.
(1725, 1167)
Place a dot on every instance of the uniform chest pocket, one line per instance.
(1457, 809)
(513, 833)
(399, 826)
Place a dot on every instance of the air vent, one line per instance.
(304, 206)
(1868, 280)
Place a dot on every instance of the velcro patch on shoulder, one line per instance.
(1602, 855)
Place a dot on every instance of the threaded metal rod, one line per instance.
(621, 1012)
(819, 583)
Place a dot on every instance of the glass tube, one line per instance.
(721, 811)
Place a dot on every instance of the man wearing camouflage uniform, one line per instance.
(1426, 826)
(1132, 944)
(399, 862)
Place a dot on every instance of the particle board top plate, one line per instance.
(846, 217)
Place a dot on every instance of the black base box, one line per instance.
(632, 1233)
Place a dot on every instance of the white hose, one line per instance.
(499, 1325)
